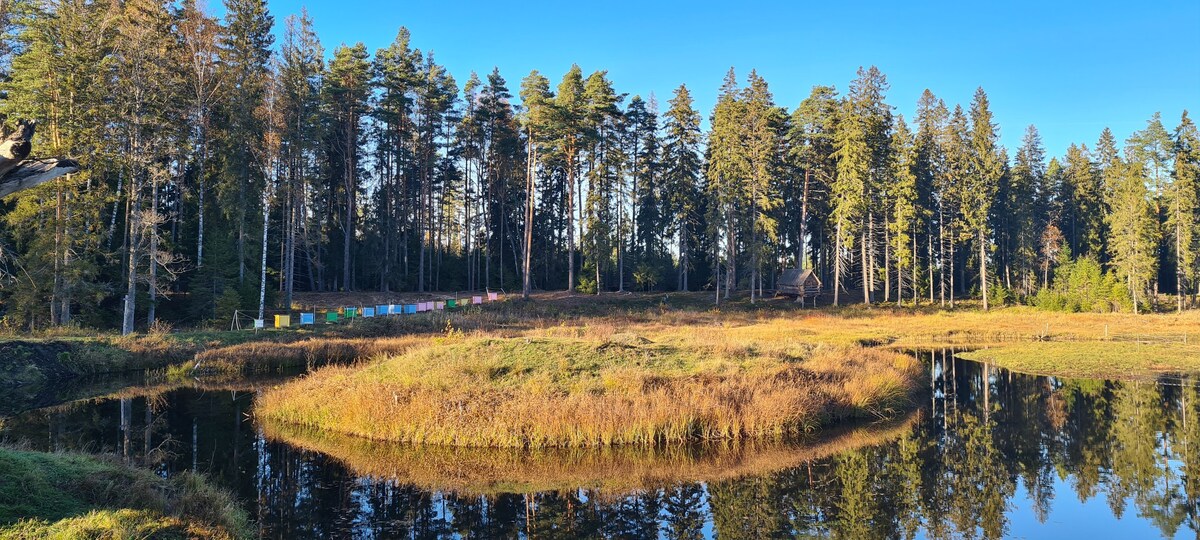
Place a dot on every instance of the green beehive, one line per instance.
(332, 317)
(451, 303)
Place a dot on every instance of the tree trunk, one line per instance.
(837, 264)
(570, 220)
(527, 282)
(130, 308)
(152, 305)
(983, 267)
(262, 279)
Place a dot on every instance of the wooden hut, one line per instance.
(802, 284)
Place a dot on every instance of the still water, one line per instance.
(987, 454)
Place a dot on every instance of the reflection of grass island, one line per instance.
(613, 470)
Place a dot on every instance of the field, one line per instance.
(648, 369)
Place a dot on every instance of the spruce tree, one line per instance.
(1026, 208)
(810, 148)
(1183, 209)
(681, 178)
(727, 168)
(245, 54)
(762, 142)
(1134, 235)
(983, 181)
(906, 210)
(848, 194)
(60, 77)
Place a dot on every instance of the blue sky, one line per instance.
(1070, 68)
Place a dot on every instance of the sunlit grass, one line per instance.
(654, 368)
(583, 391)
(76, 496)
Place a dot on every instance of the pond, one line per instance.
(987, 454)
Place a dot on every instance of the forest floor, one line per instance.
(76, 496)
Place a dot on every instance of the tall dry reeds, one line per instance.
(548, 392)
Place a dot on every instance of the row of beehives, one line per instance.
(381, 310)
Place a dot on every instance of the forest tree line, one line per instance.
(225, 171)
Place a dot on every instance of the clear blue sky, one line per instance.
(1070, 68)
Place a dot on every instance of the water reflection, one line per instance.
(990, 454)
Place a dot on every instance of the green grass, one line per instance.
(1093, 359)
(76, 496)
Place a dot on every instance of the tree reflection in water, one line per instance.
(989, 450)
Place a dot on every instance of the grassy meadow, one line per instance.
(579, 371)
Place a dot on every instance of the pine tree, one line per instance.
(606, 158)
(395, 80)
(569, 110)
(435, 95)
(300, 71)
(536, 100)
(345, 102)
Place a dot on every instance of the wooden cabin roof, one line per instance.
(797, 277)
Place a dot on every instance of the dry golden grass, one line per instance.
(554, 391)
(245, 357)
(654, 368)
(613, 471)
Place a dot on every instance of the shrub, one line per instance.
(647, 276)
(587, 285)
(1082, 285)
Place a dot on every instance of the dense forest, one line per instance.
(223, 170)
